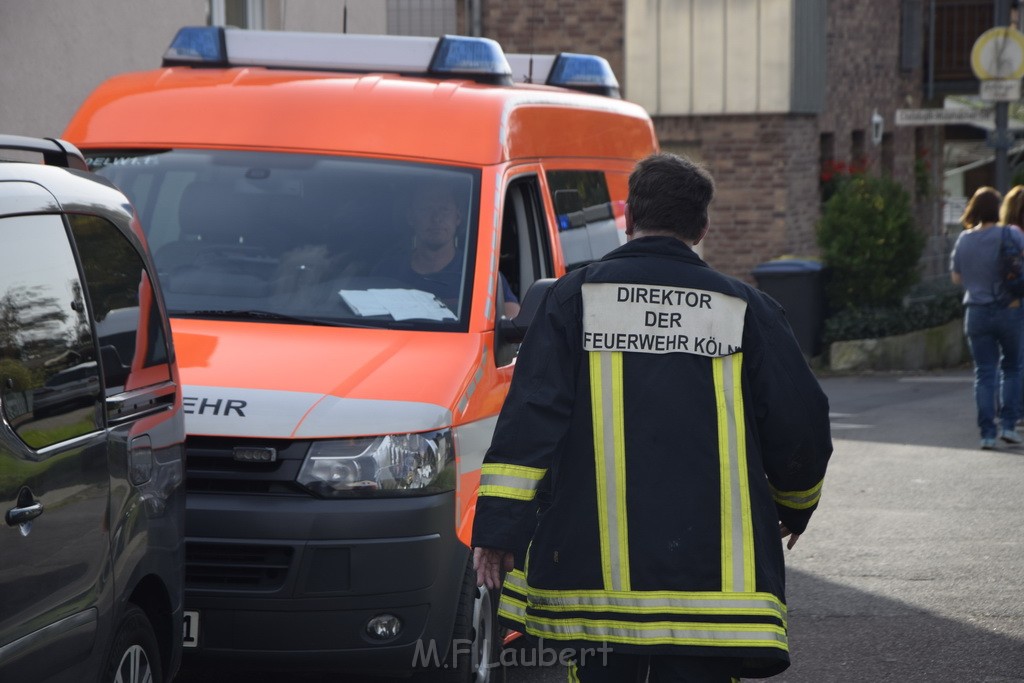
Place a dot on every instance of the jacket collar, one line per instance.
(665, 247)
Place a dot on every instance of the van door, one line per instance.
(526, 254)
(54, 481)
(143, 435)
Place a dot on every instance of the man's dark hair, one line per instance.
(670, 194)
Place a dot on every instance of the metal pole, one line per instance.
(931, 51)
(1002, 161)
(1002, 10)
(477, 26)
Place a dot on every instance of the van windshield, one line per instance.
(304, 238)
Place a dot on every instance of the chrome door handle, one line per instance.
(16, 516)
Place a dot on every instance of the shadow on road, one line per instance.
(838, 633)
(935, 409)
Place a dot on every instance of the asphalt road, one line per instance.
(913, 568)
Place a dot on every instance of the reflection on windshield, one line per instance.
(308, 238)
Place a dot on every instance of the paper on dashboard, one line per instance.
(400, 304)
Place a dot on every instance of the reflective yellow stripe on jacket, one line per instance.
(737, 524)
(755, 619)
(610, 464)
(517, 482)
(798, 500)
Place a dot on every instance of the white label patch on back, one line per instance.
(656, 319)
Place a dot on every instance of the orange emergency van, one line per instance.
(352, 234)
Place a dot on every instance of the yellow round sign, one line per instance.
(998, 53)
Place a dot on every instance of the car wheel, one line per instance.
(134, 656)
(474, 654)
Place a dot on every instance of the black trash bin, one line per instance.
(799, 285)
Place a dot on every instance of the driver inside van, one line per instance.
(433, 265)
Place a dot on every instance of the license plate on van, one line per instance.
(190, 635)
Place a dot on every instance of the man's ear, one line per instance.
(629, 222)
(703, 233)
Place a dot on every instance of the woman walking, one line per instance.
(1012, 213)
(992, 320)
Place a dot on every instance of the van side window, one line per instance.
(525, 251)
(129, 329)
(49, 378)
(586, 223)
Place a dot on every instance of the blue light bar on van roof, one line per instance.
(465, 56)
(478, 59)
(197, 45)
(588, 73)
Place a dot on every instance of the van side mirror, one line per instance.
(514, 331)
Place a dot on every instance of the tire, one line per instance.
(134, 656)
(476, 622)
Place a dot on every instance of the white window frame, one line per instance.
(254, 14)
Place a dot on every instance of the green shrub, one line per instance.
(930, 309)
(870, 243)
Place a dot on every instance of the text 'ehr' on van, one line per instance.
(348, 230)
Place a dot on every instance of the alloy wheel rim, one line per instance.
(134, 667)
(483, 636)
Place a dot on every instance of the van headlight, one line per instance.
(392, 465)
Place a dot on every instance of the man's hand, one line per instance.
(490, 564)
(793, 538)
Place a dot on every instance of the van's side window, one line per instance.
(129, 330)
(525, 252)
(586, 223)
(49, 379)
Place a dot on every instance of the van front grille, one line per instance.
(236, 566)
(213, 468)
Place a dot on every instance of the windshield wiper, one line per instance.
(249, 314)
(272, 316)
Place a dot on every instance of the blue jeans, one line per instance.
(994, 332)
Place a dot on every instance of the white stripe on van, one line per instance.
(224, 411)
(472, 441)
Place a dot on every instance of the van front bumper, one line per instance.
(294, 580)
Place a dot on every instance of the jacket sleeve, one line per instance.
(530, 431)
(791, 413)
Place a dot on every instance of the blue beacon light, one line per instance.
(589, 73)
(197, 46)
(478, 58)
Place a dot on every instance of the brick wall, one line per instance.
(864, 75)
(544, 26)
(766, 202)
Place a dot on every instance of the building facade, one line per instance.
(768, 94)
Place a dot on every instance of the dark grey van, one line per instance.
(91, 432)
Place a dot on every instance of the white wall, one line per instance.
(327, 16)
(710, 57)
(54, 52)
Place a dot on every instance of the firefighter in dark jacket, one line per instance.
(674, 430)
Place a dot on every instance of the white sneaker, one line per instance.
(1011, 436)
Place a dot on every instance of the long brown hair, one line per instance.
(1013, 206)
(983, 207)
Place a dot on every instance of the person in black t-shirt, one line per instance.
(435, 265)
